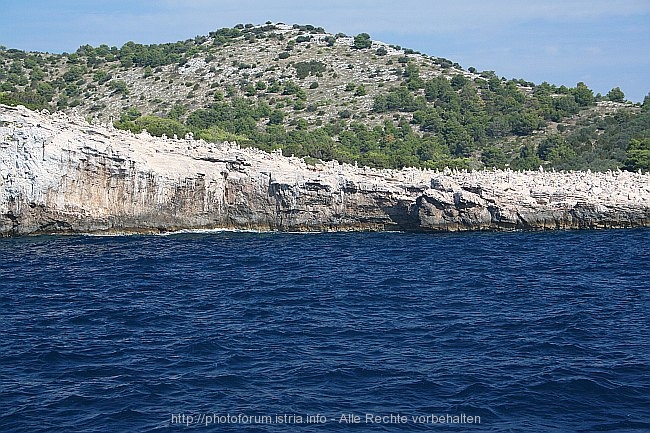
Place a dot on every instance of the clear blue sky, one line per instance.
(605, 43)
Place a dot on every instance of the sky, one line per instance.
(603, 43)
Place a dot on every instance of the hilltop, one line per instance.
(333, 97)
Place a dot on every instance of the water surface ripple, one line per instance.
(545, 332)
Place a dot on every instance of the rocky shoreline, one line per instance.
(60, 174)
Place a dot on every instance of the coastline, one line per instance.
(63, 175)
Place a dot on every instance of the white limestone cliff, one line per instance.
(61, 174)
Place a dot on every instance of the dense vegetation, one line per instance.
(428, 112)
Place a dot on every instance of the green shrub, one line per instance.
(362, 41)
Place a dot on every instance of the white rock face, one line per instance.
(60, 174)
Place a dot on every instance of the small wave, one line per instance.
(136, 328)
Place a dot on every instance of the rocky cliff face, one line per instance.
(61, 174)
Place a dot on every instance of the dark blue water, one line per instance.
(545, 332)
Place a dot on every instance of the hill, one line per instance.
(325, 96)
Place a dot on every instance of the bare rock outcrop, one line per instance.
(59, 174)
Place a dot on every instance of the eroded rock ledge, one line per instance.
(61, 174)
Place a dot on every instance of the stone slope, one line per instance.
(61, 174)
(208, 67)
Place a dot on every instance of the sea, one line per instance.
(328, 332)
